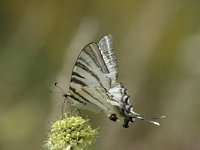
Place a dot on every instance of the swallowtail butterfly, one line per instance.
(94, 84)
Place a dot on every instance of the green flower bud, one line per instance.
(72, 132)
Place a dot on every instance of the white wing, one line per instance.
(90, 69)
(107, 51)
(89, 74)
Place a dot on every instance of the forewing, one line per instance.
(90, 69)
(95, 67)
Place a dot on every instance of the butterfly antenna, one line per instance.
(56, 85)
(64, 93)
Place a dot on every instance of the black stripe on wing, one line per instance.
(77, 81)
(74, 97)
(92, 96)
(87, 69)
(77, 74)
(83, 100)
(93, 51)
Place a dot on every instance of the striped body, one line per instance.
(94, 83)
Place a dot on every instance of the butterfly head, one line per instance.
(66, 95)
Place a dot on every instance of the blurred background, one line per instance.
(157, 44)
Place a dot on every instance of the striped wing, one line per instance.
(92, 98)
(107, 52)
(94, 73)
(96, 65)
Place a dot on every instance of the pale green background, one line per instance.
(157, 43)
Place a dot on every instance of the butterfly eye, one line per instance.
(66, 95)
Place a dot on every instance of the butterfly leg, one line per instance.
(126, 121)
(78, 110)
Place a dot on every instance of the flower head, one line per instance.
(72, 132)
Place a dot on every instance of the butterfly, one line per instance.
(94, 84)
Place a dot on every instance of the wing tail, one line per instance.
(145, 118)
